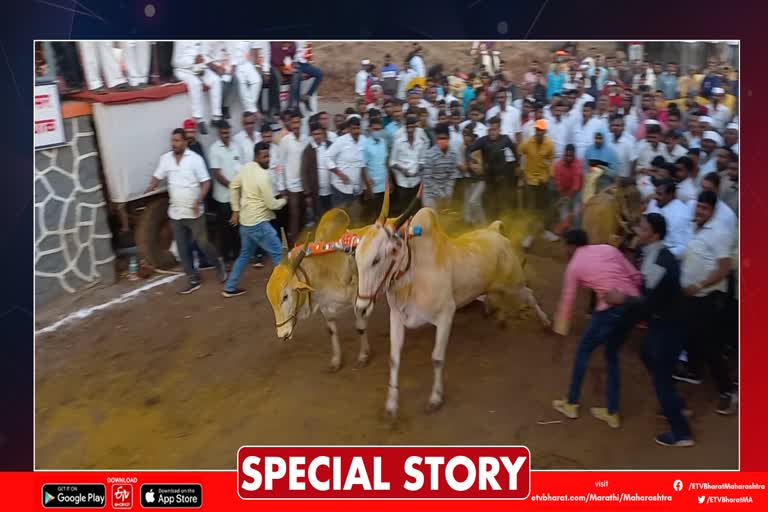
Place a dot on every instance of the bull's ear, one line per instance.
(301, 285)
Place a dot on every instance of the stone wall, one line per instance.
(73, 242)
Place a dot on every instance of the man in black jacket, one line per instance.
(661, 304)
(496, 169)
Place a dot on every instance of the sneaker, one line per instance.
(670, 439)
(207, 266)
(202, 128)
(191, 287)
(727, 404)
(687, 413)
(683, 374)
(569, 410)
(550, 236)
(233, 293)
(221, 272)
(602, 414)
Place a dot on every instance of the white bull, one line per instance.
(428, 277)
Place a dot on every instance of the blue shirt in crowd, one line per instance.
(375, 154)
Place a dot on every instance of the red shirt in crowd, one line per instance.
(569, 178)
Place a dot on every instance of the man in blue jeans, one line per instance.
(252, 205)
(302, 67)
(661, 303)
(601, 268)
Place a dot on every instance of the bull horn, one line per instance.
(384, 207)
(300, 256)
(285, 243)
(409, 211)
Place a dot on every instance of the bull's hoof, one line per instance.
(334, 367)
(362, 361)
(391, 411)
(433, 406)
(525, 315)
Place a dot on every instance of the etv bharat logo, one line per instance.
(122, 496)
(678, 485)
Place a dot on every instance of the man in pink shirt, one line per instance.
(599, 268)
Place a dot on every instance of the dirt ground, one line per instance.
(171, 381)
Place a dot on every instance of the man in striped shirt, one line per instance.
(439, 170)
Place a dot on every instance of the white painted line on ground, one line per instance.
(86, 312)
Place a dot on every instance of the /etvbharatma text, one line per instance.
(592, 497)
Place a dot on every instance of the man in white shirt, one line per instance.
(624, 145)
(325, 123)
(678, 215)
(346, 163)
(247, 138)
(225, 162)
(687, 189)
(291, 149)
(582, 97)
(672, 148)
(417, 61)
(723, 213)
(407, 152)
(361, 78)
(710, 141)
(192, 64)
(250, 57)
(559, 129)
(704, 271)
(225, 57)
(509, 115)
(583, 130)
(720, 114)
(475, 116)
(188, 184)
(646, 151)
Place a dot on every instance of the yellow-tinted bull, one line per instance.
(427, 277)
(609, 217)
(300, 285)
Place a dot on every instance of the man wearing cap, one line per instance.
(710, 141)
(361, 78)
(720, 114)
(539, 153)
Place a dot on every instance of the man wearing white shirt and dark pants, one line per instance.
(407, 152)
(346, 163)
(225, 161)
(188, 184)
(247, 138)
(624, 145)
(677, 215)
(705, 268)
(291, 149)
(361, 78)
(191, 65)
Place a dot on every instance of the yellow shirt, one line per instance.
(538, 160)
(251, 194)
(687, 83)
